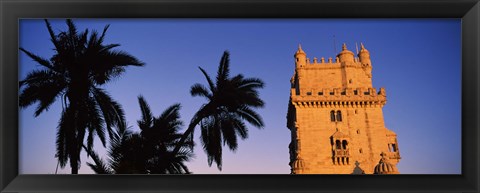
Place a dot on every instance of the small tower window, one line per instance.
(344, 144)
(339, 116)
(360, 150)
(392, 147)
(335, 116)
(338, 145)
(358, 131)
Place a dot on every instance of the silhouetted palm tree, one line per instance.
(81, 64)
(231, 101)
(150, 151)
(161, 137)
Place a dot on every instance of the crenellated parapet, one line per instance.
(345, 57)
(322, 64)
(339, 97)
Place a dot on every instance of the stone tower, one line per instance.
(335, 116)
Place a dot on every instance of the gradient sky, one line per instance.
(417, 61)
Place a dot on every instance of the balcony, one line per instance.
(341, 153)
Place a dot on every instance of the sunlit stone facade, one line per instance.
(335, 116)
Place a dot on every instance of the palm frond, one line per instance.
(108, 47)
(224, 68)
(200, 90)
(227, 125)
(95, 123)
(111, 64)
(53, 37)
(251, 83)
(72, 30)
(170, 118)
(112, 112)
(209, 80)
(100, 167)
(211, 140)
(102, 37)
(62, 152)
(42, 87)
(147, 116)
(250, 116)
(42, 61)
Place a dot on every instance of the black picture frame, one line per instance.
(11, 11)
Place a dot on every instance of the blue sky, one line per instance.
(418, 61)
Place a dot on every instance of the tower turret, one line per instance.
(364, 56)
(384, 166)
(300, 57)
(345, 55)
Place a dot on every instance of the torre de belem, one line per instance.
(335, 117)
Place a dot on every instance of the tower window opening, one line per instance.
(332, 116)
(320, 93)
(344, 144)
(338, 145)
(358, 131)
(355, 92)
(360, 150)
(331, 93)
(394, 148)
(339, 116)
(309, 93)
(350, 81)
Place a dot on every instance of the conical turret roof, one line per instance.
(299, 51)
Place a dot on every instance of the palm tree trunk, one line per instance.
(75, 170)
(74, 163)
(187, 133)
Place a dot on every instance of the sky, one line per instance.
(418, 61)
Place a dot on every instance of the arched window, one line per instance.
(339, 115)
(344, 144)
(338, 144)
(332, 116)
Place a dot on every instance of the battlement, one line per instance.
(330, 64)
(339, 96)
(329, 60)
(339, 92)
(361, 58)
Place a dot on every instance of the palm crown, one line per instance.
(150, 151)
(81, 64)
(231, 101)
